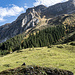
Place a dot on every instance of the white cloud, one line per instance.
(13, 11)
(47, 2)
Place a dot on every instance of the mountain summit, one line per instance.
(33, 16)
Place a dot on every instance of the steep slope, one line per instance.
(68, 20)
(44, 32)
(60, 8)
(22, 23)
(33, 16)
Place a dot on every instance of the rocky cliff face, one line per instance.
(22, 23)
(32, 17)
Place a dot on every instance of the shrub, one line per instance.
(7, 65)
(60, 47)
(4, 52)
(72, 44)
(49, 46)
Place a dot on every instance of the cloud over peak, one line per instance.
(47, 2)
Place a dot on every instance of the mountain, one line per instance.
(46, 29)
(33, 17)
(22, 23)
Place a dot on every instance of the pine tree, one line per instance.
(10, 50)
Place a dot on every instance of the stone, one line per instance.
(23, 64)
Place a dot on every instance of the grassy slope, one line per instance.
(62, 58)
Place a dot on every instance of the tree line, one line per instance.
(42, 38)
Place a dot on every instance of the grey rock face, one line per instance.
(22, 23)
(60, 8)
(31, 18)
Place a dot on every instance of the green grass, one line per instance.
(61, 58)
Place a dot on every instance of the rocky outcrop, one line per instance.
(35, 70)
(22, 23)
(38, 9)
(30, 20)
(32, 17)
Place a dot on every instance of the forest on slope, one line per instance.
(42, 38)
(58, 29)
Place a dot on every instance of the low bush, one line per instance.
(7, 65)
(49, 46)
(60, 47)
(73, 44)
(4, 52)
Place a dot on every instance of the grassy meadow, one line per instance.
(58, 56)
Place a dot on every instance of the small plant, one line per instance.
(17, 62)
(73, 44)
(25, 57)
(48, 50)
(49, 46)
(20, 47)
(7, 65)
(10, 51)
(60, 47)
(61, 64)
(33, 47)
(30, 49)
(18, 51)
(4, 52)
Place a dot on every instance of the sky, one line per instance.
(11, 9)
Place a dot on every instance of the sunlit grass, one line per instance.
(61, 58)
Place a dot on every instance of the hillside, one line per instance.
(43, 38)
(60, 8)
(63, 26)
(32, 17)
(57, 56)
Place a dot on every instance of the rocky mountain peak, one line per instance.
(22, 23)
(38, 9)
